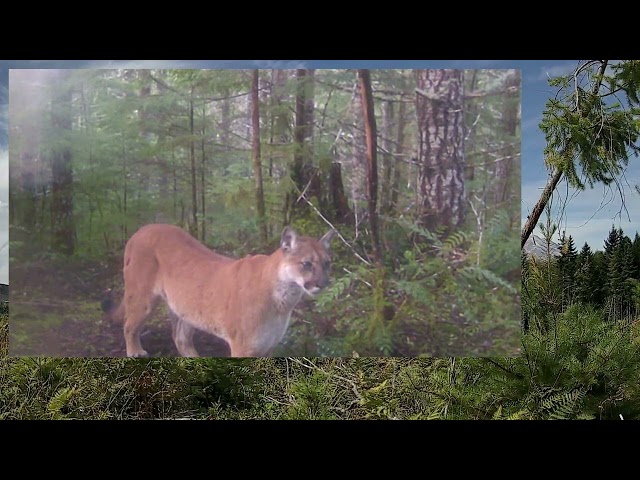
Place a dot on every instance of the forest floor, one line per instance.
(55, 312)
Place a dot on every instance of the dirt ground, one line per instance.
(55, 312)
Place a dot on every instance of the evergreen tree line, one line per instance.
(608, 280)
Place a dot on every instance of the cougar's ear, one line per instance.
(289, 239)
(326, 239)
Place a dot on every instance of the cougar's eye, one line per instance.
(307, 265)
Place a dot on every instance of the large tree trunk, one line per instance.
(304, 174)
(62, 221)
(257, 162)
(440, 110)
(372, 161)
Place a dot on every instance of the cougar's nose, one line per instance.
(324, 281)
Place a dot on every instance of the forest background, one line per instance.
(560, 374)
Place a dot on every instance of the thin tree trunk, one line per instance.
(534, 216)
(257, 162)
(387, 129)
(124, 193)
(194, 187)
(395, 186)
(339, 202)
(62, 220)
(372, 162)
(357, 177)
(202, 176)
(503, 168)
(300, 130)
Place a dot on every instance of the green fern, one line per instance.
(475, 273)
(562, 405)
(334, 290)
(455, 240)
(59, 401)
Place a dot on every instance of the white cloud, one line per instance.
(588, 215)
(531, 123)
(551, 71)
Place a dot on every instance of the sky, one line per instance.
(584, 215)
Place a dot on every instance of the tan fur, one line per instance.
(247, 302)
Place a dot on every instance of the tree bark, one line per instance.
(372, 162)
(299, 131)
(257, 162)
(304, 173)
(395, 185)
(440, 110)
(504, 167)
(534, 216)
(339, 202)
(387, 159)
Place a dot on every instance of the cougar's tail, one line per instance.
(113, 310)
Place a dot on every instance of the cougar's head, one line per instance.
(307, 261)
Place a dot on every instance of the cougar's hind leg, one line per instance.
(183, 337)
(238, 350)
(137, 308)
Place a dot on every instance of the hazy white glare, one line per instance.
(4, 188)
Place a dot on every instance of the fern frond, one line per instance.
(475, 273)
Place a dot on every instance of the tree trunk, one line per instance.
(203, 165)
(62, 221)
(387, 158)
(440, 110)
(303, 173)
(257, 162)
(194, 187)
(358, 172)
(339, 202)
(504, 167)
(395, 186)
(556, 175)
(372, 161)
(125, 192)
(299, 131)
(533, 217)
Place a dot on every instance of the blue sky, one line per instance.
(585, 215)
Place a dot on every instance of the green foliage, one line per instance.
(589, 139)
(583, 368)
(430, 301)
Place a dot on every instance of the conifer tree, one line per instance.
(567, 265)
(585, 280)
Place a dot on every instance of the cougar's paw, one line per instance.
(141, 354)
